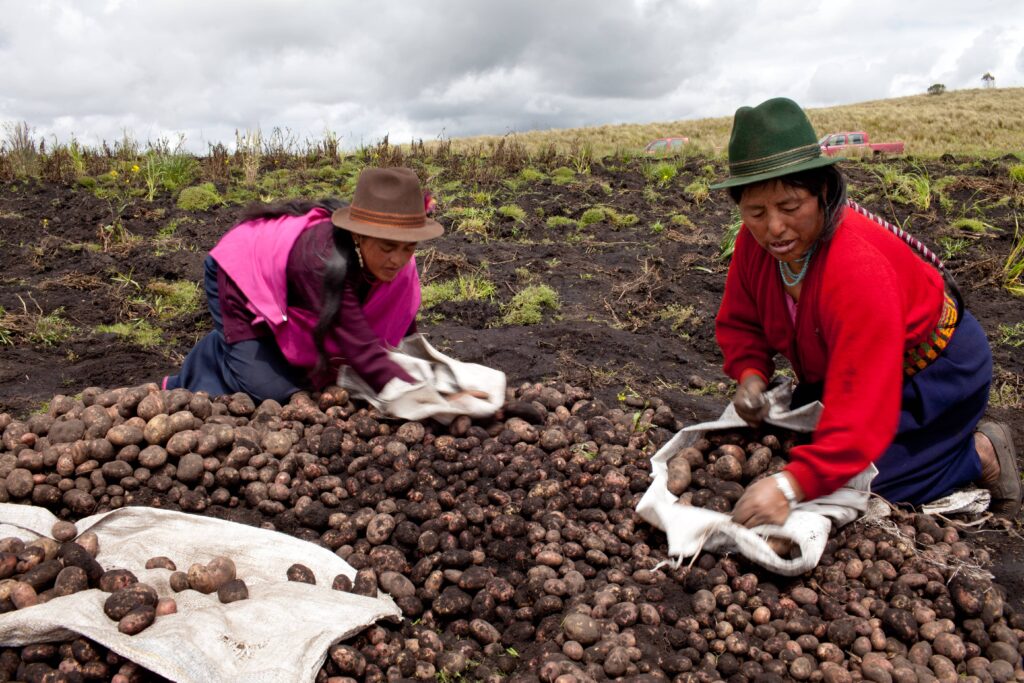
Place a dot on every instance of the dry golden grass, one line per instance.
(982, 122)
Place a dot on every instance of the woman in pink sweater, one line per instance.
(296, 290)
(868, 326)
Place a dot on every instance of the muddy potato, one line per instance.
(165, 606)
(137, 620)
(728, 467)
(161, 562)
(64, 531)
(178, 581)
(222, 570)
(118, 604)
(70, 580)
(201, 579)
(89, 542)
(114, 580)
(232, 591)
(8, 565)
(301, 573)
(23, 595)
(679, 475)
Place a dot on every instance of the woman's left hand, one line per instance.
(762, 503)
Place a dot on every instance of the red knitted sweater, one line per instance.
(866, 299)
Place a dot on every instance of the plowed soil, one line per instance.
(637, 299)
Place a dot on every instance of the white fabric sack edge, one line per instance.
(281, 633)
(690, 529)
(435, 374)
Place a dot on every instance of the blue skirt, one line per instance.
(933, 452)
(254, 366)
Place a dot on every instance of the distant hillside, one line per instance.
(985, 122)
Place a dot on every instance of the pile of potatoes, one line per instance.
(512, 545)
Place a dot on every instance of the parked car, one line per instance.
(856, 142)
(664, 146)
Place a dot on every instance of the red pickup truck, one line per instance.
(856, 142)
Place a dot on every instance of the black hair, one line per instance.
(815, 180)
(340, 264)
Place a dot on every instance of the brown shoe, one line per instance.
(1007, 491)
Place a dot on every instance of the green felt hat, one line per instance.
(773, 139)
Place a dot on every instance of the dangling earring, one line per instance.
(359, 253)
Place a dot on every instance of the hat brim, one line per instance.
(737, 181)
(429, 230)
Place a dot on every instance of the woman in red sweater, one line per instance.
(869, 326)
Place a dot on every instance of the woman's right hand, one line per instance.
(750, 401)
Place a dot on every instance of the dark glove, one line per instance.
(750, 401)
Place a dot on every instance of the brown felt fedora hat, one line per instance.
(388, 204)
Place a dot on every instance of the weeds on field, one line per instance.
(678, 317)
(563, 175)
(662, 173)
(953, 247)
(698, 191)
(169, 300)
(528, 304)
(728, 242)
(1013, 268)
(556, 222)
(1017, 173)
(138, 332)
(199, 198)
(249, 150)
(516, 213)
(22, 152)
(462, 288)
(1010, 335)
(170, 170)
(974, 225)
(1007, 389)
(44, 329)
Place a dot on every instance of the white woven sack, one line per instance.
(280, 634)
(435, 375)
(691, 529)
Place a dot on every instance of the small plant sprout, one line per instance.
(1013, 267)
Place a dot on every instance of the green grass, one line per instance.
(138, 332)
(678, 316)
(470, 288)
(975, 225)
(556, 222)
(170, 300)
(1017, 173)
(512, 211)
(528, 305)
(199, 198)
(563, 175)
(727, 243)
(50, 329)
(1013, 268)
(698, 191)
(953, 247)
(1010, 335)
(661, 173)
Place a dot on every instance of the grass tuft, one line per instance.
(199, 198)
(528, 304)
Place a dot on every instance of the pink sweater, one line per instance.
(282, 289)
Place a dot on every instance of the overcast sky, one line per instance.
(425, 68)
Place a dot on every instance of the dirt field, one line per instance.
(638, 287)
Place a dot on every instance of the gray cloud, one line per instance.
(462, 67)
